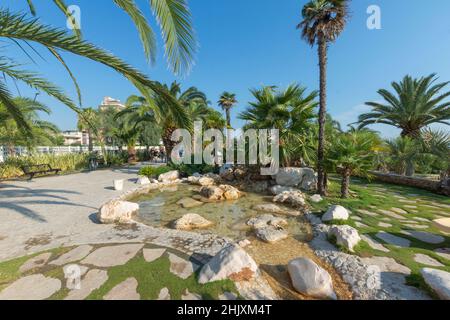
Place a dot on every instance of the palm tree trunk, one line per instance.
(167, 141)
(227, 111)
(131, 153)
(345, 184)
(91, 144)
(410, 170)
(322, 114)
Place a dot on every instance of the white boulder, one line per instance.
(304, 178)
(205, 181)
(316, 198)
(310, 279)
(169, 176)
(117, 211)
(438, 280)
(232, 262)
(265, 220)
(191, 221)
(345, 236)
(277, 189)
(293, 198)
(212, 193)
(143, 180)
(271, 234)
(336, 213)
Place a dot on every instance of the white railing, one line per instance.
(23, 151)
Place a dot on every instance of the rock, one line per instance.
(191, 221)
(438, 280)
(191, 296)
(228, 296)
(244, 243)
(230, 193)
(93, 280)
(181, 267)
(151, 255)
(387, 265)
(273, 208)
(399, 211)
(443, 252)
(345, 236)
(384, 225)
(374, 244)
(292, 177)
(427, 260)
(212, 193)
(73, 255)
(36, 262)
(127, 290)
(425, 236)
(316, 198)
(117, 211)
(34, 287)
(143, 181)
(112, 256)
(271, 234)
(232, 262)
(442, 224)
(164, 294)
(277, 189)
(189, 203)
(265, 221)
(310, 279)
(227, 174)
(293, 198)
(193, 180)
(169, 176)
(392, 214)
(205, 181)
(256, 186)
(394, 240)
(336, 213)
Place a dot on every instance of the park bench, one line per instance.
(39, 169)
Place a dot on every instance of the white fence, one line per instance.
(23, 151)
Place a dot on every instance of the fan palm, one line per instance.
(291, 112)
(353, 153)
(226, 102)
(323, 21)
(415, 104)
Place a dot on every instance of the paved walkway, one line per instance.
(59, 210)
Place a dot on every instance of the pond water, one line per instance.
(159, 208)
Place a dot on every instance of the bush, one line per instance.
(11, 168)
(190, 169)
(154, 172)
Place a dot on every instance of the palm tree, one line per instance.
(415, 104)
(88, 121)
(41, 132)
(353, 153)
(323, 21)
(403, 153)
(173, 16)
(291, 111)
(226, 102)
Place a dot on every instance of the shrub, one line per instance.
(190, 169)
(154, 172)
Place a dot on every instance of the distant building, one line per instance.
(73, 137)
(109, 102)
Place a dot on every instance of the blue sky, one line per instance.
(248, 43)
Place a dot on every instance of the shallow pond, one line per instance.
(159, 208)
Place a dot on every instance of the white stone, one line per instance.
(273, 208)
(335, 213)
(271, 234)
(425, 236)
(191, 296)
(181, 267)
(112, 256)
(117, 211)
(387, 265)
(191, 221)
(394, 240)
(345, 236)
(277, 189)
(127, 290)
(443, 252)
(439, 281)
(230, 192)
(316, 198)
(442, 224)
(164, 294)
(212, 193)
(34, 287)
(305, 178)
(232, 261)
(374, 244)
(228, 296)
(73, 255)
(310, 279)
(205, 181)
(384, 225)
(143, 181)
(293, 198)
(266, 220)
(169, 176)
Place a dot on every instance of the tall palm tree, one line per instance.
(226, 102)
(353, 153)
(415, 104)
(323, 21)
(88, 121)
(291, 111)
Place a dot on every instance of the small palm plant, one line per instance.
(88, 121)
(227, 101)
(414, 105)
(353, 153)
